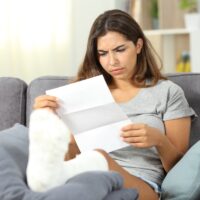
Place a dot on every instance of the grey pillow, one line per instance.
(183, 180)
(86, 186)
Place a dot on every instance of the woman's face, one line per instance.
(117, 55)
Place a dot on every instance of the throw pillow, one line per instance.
(182, 181)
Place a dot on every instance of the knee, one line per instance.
(104, 153)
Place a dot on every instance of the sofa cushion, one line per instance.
(12, 101)
(182, 181)
(86, 186)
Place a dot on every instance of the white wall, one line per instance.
(53, 42)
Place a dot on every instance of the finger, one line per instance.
(133, 127)
(133, 140)
(139, 145)
(45, 101)
(44, 104)
(46, 97)
(132, 133)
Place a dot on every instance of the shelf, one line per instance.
(167, 32)
(169, 44)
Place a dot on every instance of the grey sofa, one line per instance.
(16, 97)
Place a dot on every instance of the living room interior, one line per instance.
(41, 47)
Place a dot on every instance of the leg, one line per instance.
(73, 149)
(130, 181)
(49, 141)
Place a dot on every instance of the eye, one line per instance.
(120, 50)
(102, 53)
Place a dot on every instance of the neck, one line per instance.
(122, 84)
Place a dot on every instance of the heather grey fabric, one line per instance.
(152, 106)
(39, 86)
(86, 186)
(12, 101)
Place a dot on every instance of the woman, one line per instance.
(159, 134)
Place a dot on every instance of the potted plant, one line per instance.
(192, 16)
(154, 14)
(188, 5)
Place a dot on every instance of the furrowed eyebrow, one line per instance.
(118, 47)
(103, 51)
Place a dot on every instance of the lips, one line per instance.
(117, 70)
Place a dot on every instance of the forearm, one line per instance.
(168, 152)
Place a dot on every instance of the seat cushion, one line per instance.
(12, 101)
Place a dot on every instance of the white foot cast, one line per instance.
(49, 138)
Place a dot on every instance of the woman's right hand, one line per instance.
(45, 101)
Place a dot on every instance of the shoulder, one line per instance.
(167, 84)
(167, 94)
(166, 88)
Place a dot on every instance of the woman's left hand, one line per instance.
(141, 135)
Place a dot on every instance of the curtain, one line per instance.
(34, 38)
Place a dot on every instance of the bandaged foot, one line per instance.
(49, 138)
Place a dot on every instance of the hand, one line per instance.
(46, 101)
(141, 135)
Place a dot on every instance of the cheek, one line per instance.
(103, 63)
(129, 60)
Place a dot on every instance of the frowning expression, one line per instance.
(117, 55)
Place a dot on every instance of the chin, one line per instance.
(120, 77)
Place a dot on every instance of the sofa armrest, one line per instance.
(12, 101)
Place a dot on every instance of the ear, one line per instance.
(139, 45)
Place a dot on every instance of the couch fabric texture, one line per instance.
(16, 101)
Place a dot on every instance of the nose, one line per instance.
(112, 59)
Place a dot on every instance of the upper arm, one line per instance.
(178, 132)
(177, 118)
(177, 106)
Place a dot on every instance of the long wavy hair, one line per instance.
(121, 22)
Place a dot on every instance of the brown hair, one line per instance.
(121, 22)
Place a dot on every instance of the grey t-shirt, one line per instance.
(152, 106)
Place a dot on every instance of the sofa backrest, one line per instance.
(16, 100)
(190, 83)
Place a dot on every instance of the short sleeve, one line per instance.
(177, 105)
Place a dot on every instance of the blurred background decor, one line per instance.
(192, 14)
